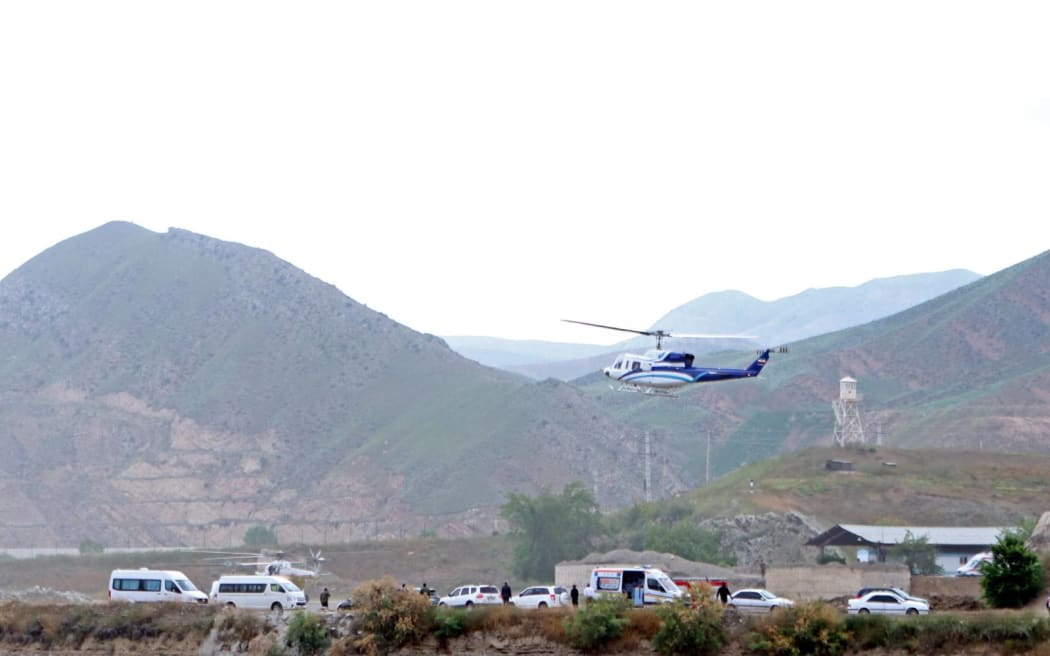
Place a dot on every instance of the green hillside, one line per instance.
(967, 370)
(182, 388)
(886, 486)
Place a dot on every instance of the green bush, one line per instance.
(601, 621)
(260, 536)
(307, 634)
(390, 617)
(810, 629)
(690, 630)
(1014, 576)
(448, 623)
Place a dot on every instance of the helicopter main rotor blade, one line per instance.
(625, 330)
(707, 336)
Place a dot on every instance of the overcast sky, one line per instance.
(491, 167)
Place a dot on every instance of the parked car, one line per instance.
(756, 600)
(346, 605)
(541, 596)
(468, 596)
(430, 594)
(886, 603)
(897, 591)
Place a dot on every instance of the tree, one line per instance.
(260, 536)
(307, 634)
(1014, 576)
(686, 540)
(89, 546)
(918, 554)
(551, 528)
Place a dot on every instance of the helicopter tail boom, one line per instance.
(763, 358)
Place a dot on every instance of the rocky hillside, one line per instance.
(175, 389)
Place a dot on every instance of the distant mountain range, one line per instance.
(174, 389)
(774, 323)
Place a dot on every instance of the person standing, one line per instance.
(574, 595)
(723, 593)
(324, 598)
(505, 592)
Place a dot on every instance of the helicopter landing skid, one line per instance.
(648, 391)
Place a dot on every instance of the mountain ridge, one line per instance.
(811, 312)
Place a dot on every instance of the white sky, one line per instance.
(492, 167)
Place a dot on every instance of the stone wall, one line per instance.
(946, 586)
(833, 580)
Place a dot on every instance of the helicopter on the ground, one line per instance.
(274, 563)
(658, 371)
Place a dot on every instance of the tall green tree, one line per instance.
(686, 540)
(1014, 576)
(918, 554)
(551, 528)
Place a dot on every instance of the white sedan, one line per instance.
(541, 596)
(886, 603)
(757, 600)
(468, 596)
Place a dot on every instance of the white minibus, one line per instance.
(257, 591)
(653, 585)
(139, 585)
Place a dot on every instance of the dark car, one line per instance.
(345, 605)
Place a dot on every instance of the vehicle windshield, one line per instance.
(766, 594)
(668, 584)
(185, 585)
(290, 587)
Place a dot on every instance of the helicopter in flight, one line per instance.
(659, 372)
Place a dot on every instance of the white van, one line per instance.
(139, 585)
(657, 587)
(973, 566)
(257, 591)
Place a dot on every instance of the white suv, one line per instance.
(467, 596)
(541, 596)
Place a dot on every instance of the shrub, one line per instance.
(308, 634)
(830, 557)
(390, 617)
(601, 621)
(448, 623)
(695, 630)
(239, 627)
(260, 536)
(1014, 576)
(89, 546)
(807, 629)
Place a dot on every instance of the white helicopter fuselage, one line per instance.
(655, 369)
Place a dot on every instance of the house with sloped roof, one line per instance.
(954, 545)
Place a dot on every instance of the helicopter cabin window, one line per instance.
(616, 365)
(636, 366)
(689, 359)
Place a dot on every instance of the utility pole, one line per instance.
(707, 460)
(648, 471)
